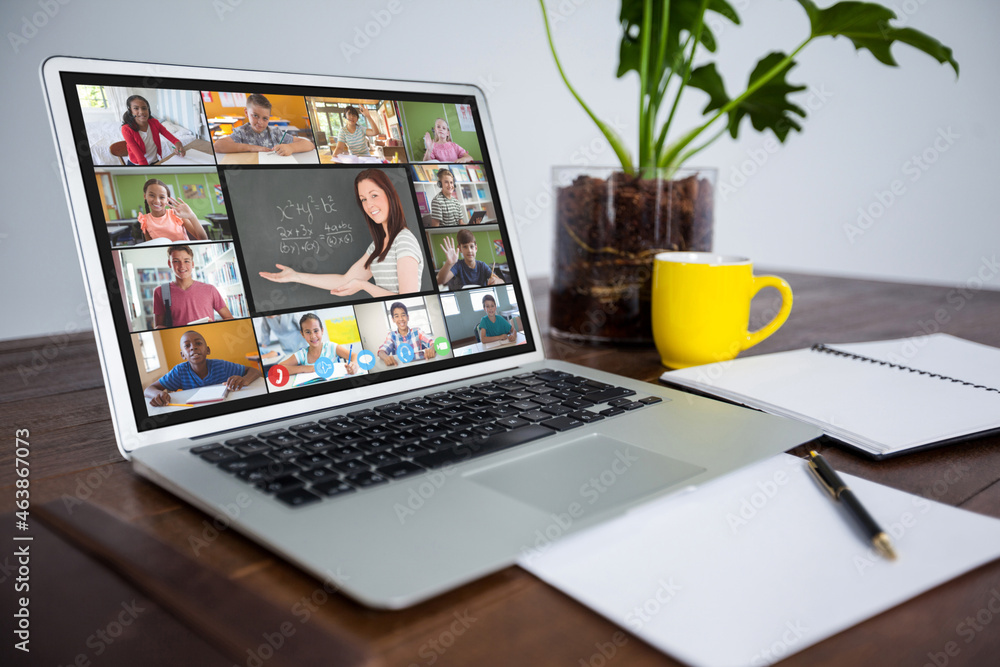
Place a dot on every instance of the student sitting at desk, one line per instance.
(198, 370)
(493, 328)
(187, 299)
(353, 138)
(441, 148)
(469, 271)
(258, 137)
(142, 133)
(421, 344)
(302, 361)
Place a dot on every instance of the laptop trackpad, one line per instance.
(586, 477)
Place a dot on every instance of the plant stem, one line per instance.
(609, 134)
(684, 79)
(668, 159)
(684, 158)
(644, 96)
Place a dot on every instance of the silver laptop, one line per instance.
(301, 334)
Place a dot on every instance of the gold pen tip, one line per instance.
(884, 546)
(812, 453)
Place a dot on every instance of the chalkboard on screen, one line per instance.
(307, 219)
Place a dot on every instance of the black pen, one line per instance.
(831, 482)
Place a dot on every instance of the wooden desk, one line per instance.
(518, 620)
(305, 157)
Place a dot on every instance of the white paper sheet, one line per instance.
(765, 554)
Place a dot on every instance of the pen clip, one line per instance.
(825, 484)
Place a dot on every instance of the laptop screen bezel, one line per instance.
(106, 335)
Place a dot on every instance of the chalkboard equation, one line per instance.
(302, 238)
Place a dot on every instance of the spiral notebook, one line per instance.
(883, 397)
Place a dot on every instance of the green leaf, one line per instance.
(684, 16)
(866, 24)
(768, 107)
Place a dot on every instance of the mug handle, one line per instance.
(759, 283)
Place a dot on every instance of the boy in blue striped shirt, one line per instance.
(198, 370)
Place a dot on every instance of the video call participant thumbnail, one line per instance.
(422, 344)
(198, 370)
(257, 136)
(190, 301)
(394, 258)
(316, 346)
(178, 223)
(465, 267)
(446, 209)
(142, 133)
(491, 327)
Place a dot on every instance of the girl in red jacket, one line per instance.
(142, 132)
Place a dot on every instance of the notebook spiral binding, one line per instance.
(829, 350)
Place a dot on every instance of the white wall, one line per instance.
(867, 123)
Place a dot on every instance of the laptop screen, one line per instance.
(262, 244)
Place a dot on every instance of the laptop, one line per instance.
(279, 352)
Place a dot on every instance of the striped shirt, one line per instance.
(182, 376)
(415, 338)
(448, 210)
(384, 272)
(355, 141)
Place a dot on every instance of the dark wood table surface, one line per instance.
(52, 386)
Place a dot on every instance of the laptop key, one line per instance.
(366, 478)
(373, 446)
(271, 434)
(345, 453)
(409, 450)
(280, 484)
(235, 442)
(297, 497)
(577, 403)
(538, 415)
(398, 470)
(350, 467)
(586, 417)
(219, 455)
(332, 487)
(319, 475)
(284, 440)
(246, 463)
(312, 433)
(397, 440)
(338, 425)
(381, 459)
(618, 401)
(651, 400)
(512, 422)
(312, 461)
(520, 394)
(611, 412)
(563, 423)
(605, 395)
(632, 405)
(546, 400)
(300, 427)
(286, 453)
(255, 447)
(490, 429)
(554, 411)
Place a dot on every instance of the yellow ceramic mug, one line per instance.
(701, 307)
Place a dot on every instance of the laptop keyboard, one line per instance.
(347, 453)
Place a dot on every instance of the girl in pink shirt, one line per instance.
(440, 147)
(160, 222)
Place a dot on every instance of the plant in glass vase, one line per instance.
(610, 223)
